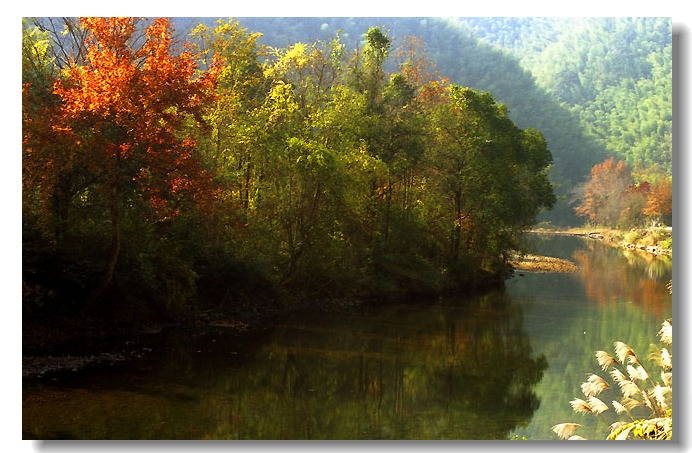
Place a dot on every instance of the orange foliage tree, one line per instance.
(414, 63)
(120, 123)
(603, 199)
(611, 198)
(659, 204)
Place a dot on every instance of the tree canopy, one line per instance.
(321, 157)
(594, 87)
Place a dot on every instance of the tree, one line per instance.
(295, 165)
(369, 74)
(67, 39)
(659, 204)
(414, 63)
(44, 193)
(493, 174)
(242, 87)
(120, 121)
(604, 195)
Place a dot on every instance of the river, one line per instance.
(499, 365)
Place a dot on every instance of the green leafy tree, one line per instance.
(493, 173)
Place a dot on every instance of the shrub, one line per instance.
(632, 237)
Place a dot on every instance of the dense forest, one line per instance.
(173, 165)
(595, 87)
(158, 174)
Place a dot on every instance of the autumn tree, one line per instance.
(415, 64)
(634, 203)
(602, 198)
(659, 204)
(120, 122)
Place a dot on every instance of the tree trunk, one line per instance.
(106, 276)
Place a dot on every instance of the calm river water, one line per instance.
(499, 365)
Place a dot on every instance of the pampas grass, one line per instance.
(594, 385)
(646, 404)
(605, 360)
(565, 430)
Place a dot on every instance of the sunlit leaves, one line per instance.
(137, 100)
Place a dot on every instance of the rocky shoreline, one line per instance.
(641, 240)
(43, 365)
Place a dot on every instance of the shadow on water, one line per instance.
(455, 369)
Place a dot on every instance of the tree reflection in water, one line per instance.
(606, 282)
(456, 370)
(450, 369)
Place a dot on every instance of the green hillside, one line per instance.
(614, 73)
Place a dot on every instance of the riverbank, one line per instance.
(71, 344)
(74, 344)
(657, 241)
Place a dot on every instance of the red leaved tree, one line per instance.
(659, 204)
(121, 122)
(604, 199)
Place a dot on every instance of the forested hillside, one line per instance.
(614, 73)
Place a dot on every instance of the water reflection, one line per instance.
(477, 367)
(613, 274)
(456, 369)
(615, 296)
(446, 372)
